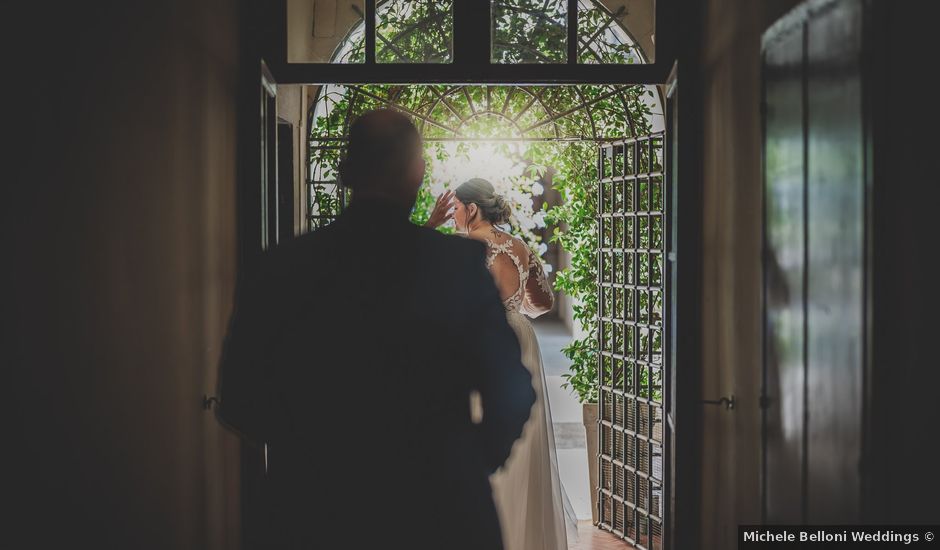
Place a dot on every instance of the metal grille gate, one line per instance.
(326, 196)
(631, 296)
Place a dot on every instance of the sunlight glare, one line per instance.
(475, 160)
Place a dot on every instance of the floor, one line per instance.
(592, 538)
(566, 416)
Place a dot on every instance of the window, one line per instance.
(529, 31)
(422, 31)
(409, 31)
(603, 37)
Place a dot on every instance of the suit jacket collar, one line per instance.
(378, 209)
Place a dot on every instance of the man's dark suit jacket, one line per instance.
(352, 354)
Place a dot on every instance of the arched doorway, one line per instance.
(601, 148)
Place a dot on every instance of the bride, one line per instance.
(527, 490)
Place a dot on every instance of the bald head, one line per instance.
(383, 154)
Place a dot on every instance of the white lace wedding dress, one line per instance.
(531, 502)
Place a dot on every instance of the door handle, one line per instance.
(207, 402)
(727, 402)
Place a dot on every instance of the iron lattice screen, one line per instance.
(326, 196)
(631, 290)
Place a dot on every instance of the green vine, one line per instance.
(575, 221)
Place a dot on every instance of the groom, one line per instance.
(352, 354)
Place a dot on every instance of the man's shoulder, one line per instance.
(451, 245)
(311, 240)
(296, 252)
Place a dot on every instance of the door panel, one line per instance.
(285, 181)
(784, 232)
(269, 161)
(815, 264)
(835, 261)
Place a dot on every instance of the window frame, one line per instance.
(471, 62)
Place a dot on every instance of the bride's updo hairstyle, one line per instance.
(478, 191)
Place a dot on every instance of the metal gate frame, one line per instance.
(632, 291)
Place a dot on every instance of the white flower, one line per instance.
(539, 219)
(537, 188)
(543, 248)
(547, 267)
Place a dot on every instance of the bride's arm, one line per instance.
(539, 297)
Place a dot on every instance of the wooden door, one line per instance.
(815, 264)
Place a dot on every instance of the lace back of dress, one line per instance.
(509, 248)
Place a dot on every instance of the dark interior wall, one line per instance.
(901, 474)
(121, 218)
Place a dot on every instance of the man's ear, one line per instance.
(418, 168)
(422, 167)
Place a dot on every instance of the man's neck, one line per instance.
(395, 203)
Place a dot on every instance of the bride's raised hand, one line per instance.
(443, 210)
